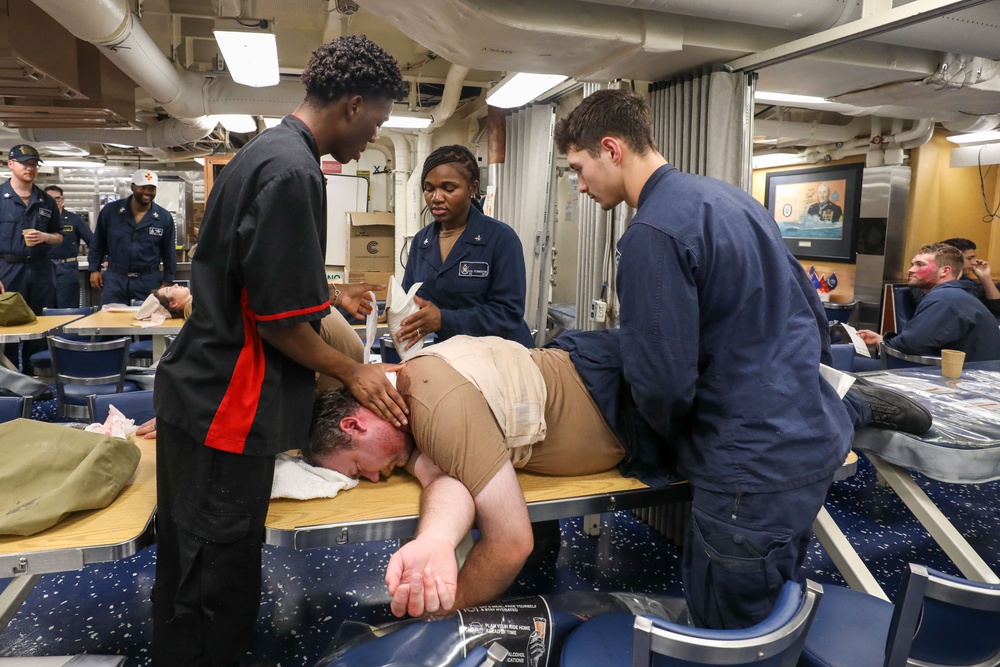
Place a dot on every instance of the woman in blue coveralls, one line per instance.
(471, 265)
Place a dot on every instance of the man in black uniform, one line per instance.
(236, 387)
(64, 255)
(825, 209)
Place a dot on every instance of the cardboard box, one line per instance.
(371, 248)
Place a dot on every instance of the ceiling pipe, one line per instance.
(163, 134)
(813, 131)
(109, 25)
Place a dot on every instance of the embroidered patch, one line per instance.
(68, 228)
(473, 269)
(44, 213)
(155, 231)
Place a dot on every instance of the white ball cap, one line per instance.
(144, 177)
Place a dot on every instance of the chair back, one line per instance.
(898, 306)
(944, 620)
(136, 405)
(82, 310)
(774, 642)
(892, 358)
(14, 407)
(87, 364)
(76, 362)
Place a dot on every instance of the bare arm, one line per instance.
(367, 382)
(985, 275)
(505, 541)
(423, 574)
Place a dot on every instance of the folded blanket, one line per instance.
(294, 478)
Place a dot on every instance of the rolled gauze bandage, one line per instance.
(399, 305)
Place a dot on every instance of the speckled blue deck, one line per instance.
(105, 608)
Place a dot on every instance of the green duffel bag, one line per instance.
(50, 470)
(14, 310)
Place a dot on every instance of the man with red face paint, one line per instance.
(948, 317)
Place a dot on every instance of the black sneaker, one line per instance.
(893, 410)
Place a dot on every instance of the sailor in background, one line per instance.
(135, 235)
(64, 255)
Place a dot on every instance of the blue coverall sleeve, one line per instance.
(168, 251)
(408, 269)
(659, 325)
(99, 247)
(83, 231)
(935, 325)
(503, 310)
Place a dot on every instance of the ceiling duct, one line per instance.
(58, 81)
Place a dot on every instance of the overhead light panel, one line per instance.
(407, 122)
(82, 164)
(975, 137)
(518, 89)
(237, 122)
(777, 159)
(787, 98)
(251, 53)
(270, 121)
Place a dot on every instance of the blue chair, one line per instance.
(621, 639)
(898, 306)
(41, 361)
(843, 357)
(937, 620)
(892, 358)
(136, 405)
(82, 369)
(483, 657)
(840, 312)
(14, 407)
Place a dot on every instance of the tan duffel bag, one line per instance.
(49, 470)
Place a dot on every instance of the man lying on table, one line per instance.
(465, 460)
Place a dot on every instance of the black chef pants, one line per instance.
(211, 507)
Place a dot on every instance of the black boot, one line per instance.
(893, 410)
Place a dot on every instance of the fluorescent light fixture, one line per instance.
(516, 90)
(787, 98)
(974, 137)
(237, 122)
(270, 121)
(84, 164)
(407, 122)
(200, 160)
(777, 159)
(252, 57)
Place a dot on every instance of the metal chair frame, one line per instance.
(57, 343)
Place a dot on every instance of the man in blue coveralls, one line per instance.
(136, 235)
(29, 227)
(722, 337)
(64, 255)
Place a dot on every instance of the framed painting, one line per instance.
(817, 210)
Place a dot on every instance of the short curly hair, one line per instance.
(351, 65)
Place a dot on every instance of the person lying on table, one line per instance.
(465, 460)
(334, 329)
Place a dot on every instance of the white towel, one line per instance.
(294, 478)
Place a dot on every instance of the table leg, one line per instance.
(969, 563)
(843, 555)
(5, 362)
(159, 347)
(14, 596)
